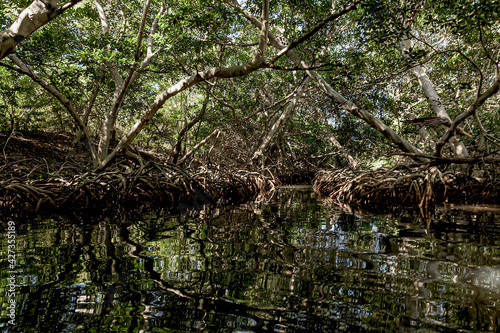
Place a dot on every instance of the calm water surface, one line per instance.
(293, 264)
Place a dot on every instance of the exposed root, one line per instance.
(405, 188)
(34, 186)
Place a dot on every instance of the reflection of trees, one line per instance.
(273, 261)
(282, 265)
(43, 296)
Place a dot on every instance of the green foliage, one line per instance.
(359, 55)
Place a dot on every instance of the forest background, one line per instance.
(282, 86)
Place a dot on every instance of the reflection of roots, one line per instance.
(388, 189)
(124, 186)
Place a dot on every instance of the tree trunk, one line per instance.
(31, 18)
(432, 96)
(22, 68)
(472, 109)
(335, 96)
(283, 120)
(121, 85)
(255, 64)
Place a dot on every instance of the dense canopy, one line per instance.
(285, 84)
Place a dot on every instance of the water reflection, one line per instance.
(295, 263)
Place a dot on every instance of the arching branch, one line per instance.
(33, 17)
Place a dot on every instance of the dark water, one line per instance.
(295, 264)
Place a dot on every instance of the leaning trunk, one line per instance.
(31, 18)
(432, 96)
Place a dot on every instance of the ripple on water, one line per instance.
(295, 263)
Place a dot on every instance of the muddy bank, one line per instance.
(418, 188)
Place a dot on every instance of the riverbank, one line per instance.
(42, 173)
(414, 188)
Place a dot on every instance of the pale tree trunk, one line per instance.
(348, 105)
(122, 84)
(31, 18)
(335, 143)
(255, 64)
(432, 96)
(282, 121)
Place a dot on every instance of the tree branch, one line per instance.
(23, 69)
(140, 33)
(182, 85)
(467, 113)
(31, 18)
(328, 90)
